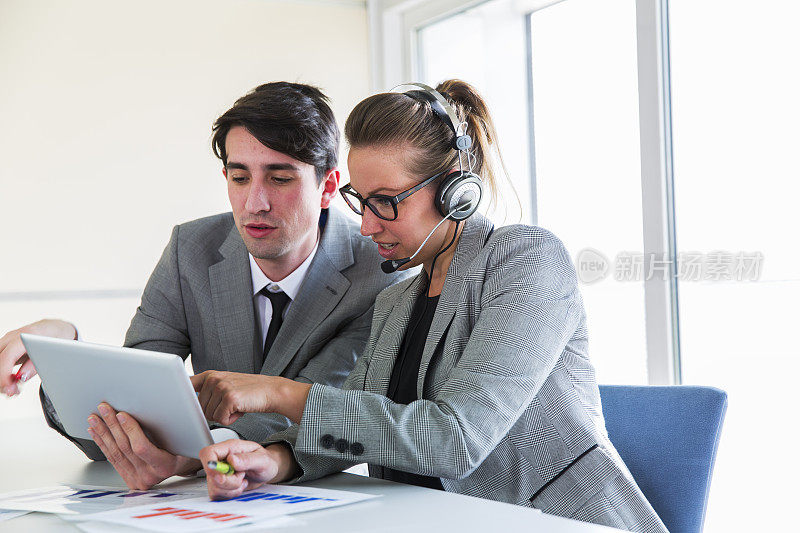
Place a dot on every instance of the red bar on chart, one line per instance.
(189, 515)
(237, 517)
(161, 512)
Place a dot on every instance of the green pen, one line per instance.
(221, 466)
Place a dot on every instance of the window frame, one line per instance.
(399, 21)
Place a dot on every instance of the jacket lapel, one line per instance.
(322, 289)
(388, 343)
(232, 298)
(476, 231)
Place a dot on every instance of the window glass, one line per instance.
(588, 173)
(737, 179)
(493, 61)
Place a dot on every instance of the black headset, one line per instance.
(459, 192)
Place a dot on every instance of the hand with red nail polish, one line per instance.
(12, 352)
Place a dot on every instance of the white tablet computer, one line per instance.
(153, 387)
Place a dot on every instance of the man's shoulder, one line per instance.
(206, 232)
(198, 243)
(365, 251)
(344, 240)
(204, 227)
(366, 266)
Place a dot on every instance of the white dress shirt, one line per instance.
(290, 285)
(263, 306)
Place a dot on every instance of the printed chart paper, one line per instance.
(201, 514)
(81, 499)
(8, 515)
(260, 525)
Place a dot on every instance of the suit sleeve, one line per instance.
(340, 363)
(331, 366)
(160, 320)
(529, 309)
(158, 325)
(354, 381)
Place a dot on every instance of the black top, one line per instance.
(403, 383)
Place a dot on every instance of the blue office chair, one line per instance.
(668, 438)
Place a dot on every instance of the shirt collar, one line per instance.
(290, 284)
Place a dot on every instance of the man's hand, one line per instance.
(226, 396)
(140, 463)
(253, 465)
(12, 351)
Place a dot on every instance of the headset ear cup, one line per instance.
(455, 188)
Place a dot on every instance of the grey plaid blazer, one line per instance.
(510, 408)
(199, 301)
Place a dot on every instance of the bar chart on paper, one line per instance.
(201, 514)
(78, 500)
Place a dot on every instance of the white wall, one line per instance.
(106, 110)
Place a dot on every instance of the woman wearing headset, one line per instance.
(476, 377)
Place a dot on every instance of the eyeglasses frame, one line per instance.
(348, 190)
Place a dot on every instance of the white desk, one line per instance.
(33, 455)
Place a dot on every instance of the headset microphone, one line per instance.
(391, 265)
(460, 191)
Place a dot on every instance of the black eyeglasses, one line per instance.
(383, 205)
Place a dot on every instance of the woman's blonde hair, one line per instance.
(395, 119)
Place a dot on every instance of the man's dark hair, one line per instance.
(291, 118)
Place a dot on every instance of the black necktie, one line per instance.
(279, 301)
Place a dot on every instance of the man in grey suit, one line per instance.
(284, 285)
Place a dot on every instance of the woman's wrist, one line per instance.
(55, 327)
(281, 454)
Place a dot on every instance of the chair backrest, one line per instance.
(668, 438)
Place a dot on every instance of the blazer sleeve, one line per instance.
(529, 309)
(331, 365)
(160, 320)
(158, 325)
(354, 381)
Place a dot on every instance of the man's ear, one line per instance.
(330, 185)
(225, 173)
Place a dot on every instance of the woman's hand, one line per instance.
(12, 352)
(226, 396)
(253, 466)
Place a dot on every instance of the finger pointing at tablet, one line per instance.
(226, 396)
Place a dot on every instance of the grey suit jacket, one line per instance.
(509, 408)
(199, 301)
